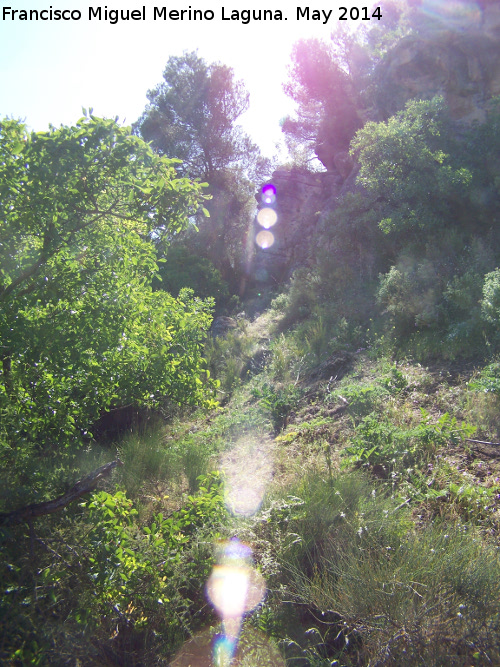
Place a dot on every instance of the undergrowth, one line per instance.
(377, 539)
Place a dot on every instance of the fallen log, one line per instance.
(85, 485)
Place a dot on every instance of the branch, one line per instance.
(47, 253)
(85, 485)
(482, 442)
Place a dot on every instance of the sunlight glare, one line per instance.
(452, 13)
(267, 217)
(234, 588)
(264, 239)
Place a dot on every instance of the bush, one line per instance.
(488, 380)
(382, 592)
(380, 442)
(184, 269)
(361, 399)
(491, 297)
(278, 402)
(105, 587)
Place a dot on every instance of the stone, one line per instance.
(222, 325)
(463, 67)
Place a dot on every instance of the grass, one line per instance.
(377, 535)
(380, 590)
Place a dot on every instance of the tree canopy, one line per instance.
(406, 162)
(81, 330)
(334, 83)
(192, 116)
(326, 115)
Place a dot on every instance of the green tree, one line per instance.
(326, 117)
(192, 115)
(335, 84)
(81, 330)
(182, 269)
(407, 162)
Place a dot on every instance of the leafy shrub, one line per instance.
(104, 584)
(395, 382)
(381, 442)
(488, 379)
(410, 297)
(184, 269)
(361, 399)
(280, 302)
(491, 297)
(278, 402)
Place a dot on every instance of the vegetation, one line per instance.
(334, 459)
(192, 115)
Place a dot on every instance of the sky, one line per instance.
(49, 70)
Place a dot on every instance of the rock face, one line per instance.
(459, 59)
(463, 67)
(300, 197)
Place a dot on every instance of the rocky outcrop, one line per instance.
(458, 58)
(300, 197)
(463, 67)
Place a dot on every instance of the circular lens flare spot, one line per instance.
(227, 589)
(268, 194)
(267, 217)
(264, 239)
(235, 587)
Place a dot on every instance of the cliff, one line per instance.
(458, 59)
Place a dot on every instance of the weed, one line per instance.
(360, 400)
(146, 457)
(226, 358)
(388, 593)
(288, 359)
(278, 402)
(488, 380)
(381, 442)
(395, 382)
(317, 337)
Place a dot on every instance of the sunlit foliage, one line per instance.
(81, 330)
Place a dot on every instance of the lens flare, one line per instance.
(267, 217)
(234, 588)
(453, 14)
(224, 649)
(264, 239)
(210, 649)
(247, 470)
(268, 194)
